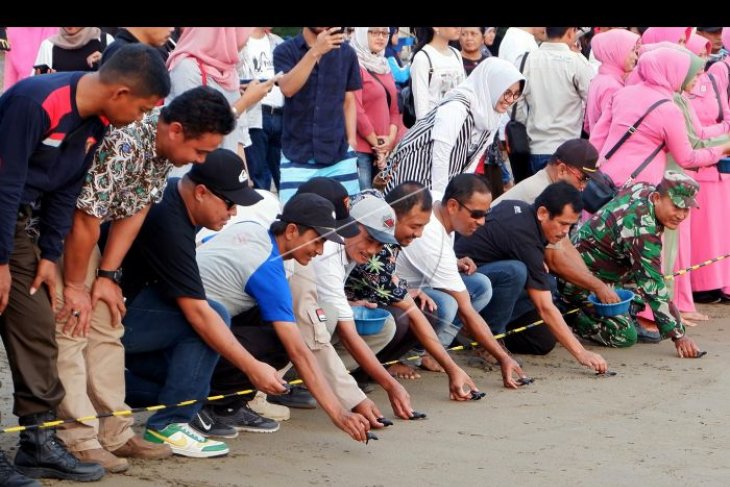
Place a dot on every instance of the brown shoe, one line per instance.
(136, 447)
(109, 461)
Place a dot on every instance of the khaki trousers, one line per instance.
(91, 369)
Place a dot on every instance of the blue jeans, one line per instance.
(167, 361)
(264, 153)
(538, 161)
(509, 298)
(365, 170)
(446, 322)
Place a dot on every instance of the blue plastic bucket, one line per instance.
(613, 309)
(369, 321)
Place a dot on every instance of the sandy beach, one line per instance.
(660, 422)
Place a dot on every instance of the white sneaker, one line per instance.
(185, 442)
(261, 406)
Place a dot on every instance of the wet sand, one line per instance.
(660, 422)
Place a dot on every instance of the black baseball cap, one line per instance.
(335, 192)
(223, 172)
(314, 211)
(578, 153)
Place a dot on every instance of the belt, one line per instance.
(272, 110)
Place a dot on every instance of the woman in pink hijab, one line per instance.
(709, 230)
(664, 73)
(676, 35)
(617, 51)
(208, 56)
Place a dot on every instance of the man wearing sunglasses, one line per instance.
(514, 237)
(173, 333)
(430, 264)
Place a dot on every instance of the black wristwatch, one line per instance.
(115, 276)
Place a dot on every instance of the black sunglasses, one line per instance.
(229, 204)
(475, 214)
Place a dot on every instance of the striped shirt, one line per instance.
(412, 159)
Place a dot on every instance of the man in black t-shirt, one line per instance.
(173, 335)
(517, 231)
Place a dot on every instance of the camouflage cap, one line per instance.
(680, 188)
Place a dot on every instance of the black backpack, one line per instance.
(406, 96)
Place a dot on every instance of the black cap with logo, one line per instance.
(314, 211)
(223, 173)
(335, 192)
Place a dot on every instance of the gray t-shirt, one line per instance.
(241, 268)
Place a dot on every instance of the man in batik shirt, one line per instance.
(622, 245)
(128, 175)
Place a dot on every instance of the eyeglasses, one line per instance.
(379, 33)
(511, 96)
(475, 214)
(229, 204)
(582, 177)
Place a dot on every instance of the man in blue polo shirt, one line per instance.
(50, 127)
(319, 121)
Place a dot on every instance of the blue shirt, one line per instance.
(314, 119)
(45, 151)
(241, 268)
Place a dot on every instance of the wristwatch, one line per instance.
(115, 276)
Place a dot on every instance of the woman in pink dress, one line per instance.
(710, 231)
(663, 73)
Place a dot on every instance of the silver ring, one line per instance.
(75, 313)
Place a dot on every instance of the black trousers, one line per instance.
(259, 338)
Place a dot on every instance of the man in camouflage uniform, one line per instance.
(622, 245)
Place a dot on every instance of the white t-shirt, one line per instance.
(526, 190)
(448, 73)
(332, 269)
(259, 55)
(430, 261)
(263, 212)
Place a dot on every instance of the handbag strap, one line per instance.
(387, 93)
(522, 68)
(644, 164)
(720, 115)
(633, 128)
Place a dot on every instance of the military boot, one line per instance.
(41, 455)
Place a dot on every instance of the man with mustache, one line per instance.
(622, 245)
(517, 231)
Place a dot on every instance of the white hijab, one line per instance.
(372, 62)
(485, 86)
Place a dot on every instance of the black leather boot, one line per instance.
(41, 455)
(11, 477)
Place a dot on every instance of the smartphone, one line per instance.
(41, 68)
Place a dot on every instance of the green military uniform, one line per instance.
(622, 245)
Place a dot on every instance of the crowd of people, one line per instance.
(192, 212)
